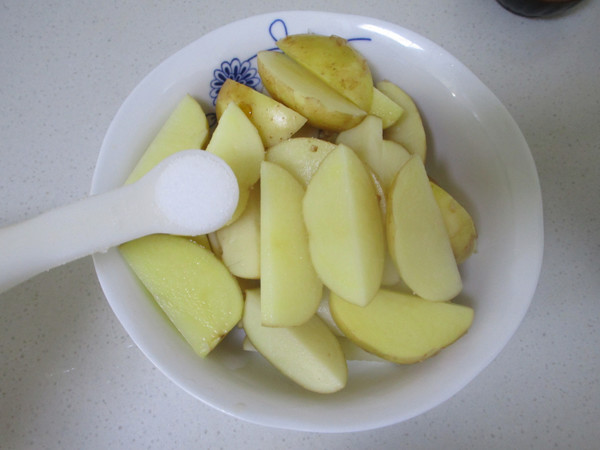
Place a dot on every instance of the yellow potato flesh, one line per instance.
(335, 62)
(299, 89)
(345, 228)
(417, 238)
(308, 354)
(385, 108)
(384, 157)
(408, 130)
(290, 288)
(186, 128)
(239, 242)
(399, 327)
(238, 143)
(300, 156)
(192, 287)
(459, 224)
(274, 121)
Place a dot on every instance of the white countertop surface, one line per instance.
(70, 377)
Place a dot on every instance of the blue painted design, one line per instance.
(237, 70)
(244, 71)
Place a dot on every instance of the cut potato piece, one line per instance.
(189, 283)
(408, 130)
(185, 129)
(459, 224)
(352, 352)
(384, 157)
(296, 87)
(290, 288)
(274, 121)
(365, 139)
(385, 108)
(345, 228)
(401, 328)
(393, 157)
(335, 62)
(300, 156)
(417, 237)
(239, 242)
(308, 354)
(238, 143)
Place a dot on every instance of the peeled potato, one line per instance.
(345, 227)
(399, 327)
(408, 130)
(308, 354)
(417, 238)
(300, 156)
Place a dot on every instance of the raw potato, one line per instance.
(335, 62)
(290, 288)
(345, 228)
(417, 237)
(384, 157)
(239, 242)
(459, 224)
(300, 156)
(401, 328)
(352, 352)
(308, 354)
(185, 129)
(365, 140)
(394, 156)
(408, 130)
(274, 121)
(238, 143)
(337, 199)
(299, 89)
(192, 286)
(385, 108)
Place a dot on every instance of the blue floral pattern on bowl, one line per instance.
(244, 71)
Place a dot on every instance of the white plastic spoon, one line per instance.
(190, 193)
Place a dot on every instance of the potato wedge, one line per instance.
(300, 156)
(186, 128)
(345, 227)
(333, 60)
(402, 328)
(408, 130)
(308, 354)
(274, 121)
(290, 288)
(189, 283)
(417, 238)
(296, 87)
(459, 224)
(237, 142)
(239, 242)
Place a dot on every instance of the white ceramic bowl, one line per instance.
(475, 150)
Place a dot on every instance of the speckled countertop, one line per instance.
(70, 377)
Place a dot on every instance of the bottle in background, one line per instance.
(538, 8)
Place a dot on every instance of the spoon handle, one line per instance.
(70, 232)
